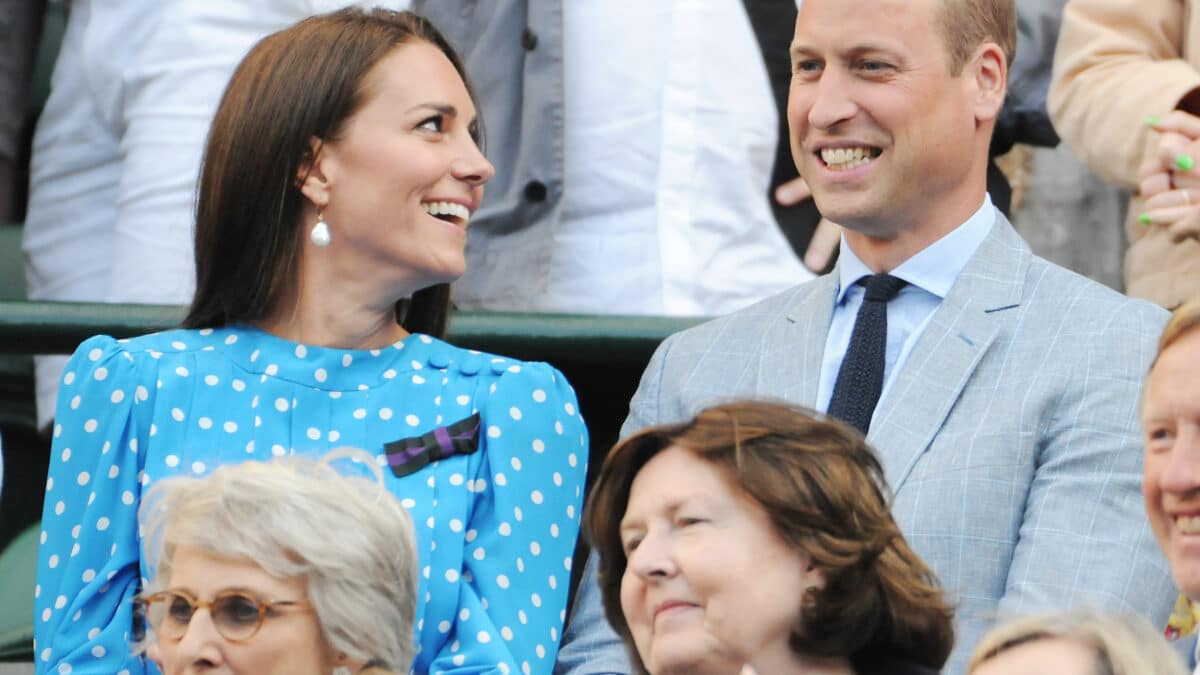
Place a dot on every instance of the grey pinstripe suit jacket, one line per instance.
(1010, 436)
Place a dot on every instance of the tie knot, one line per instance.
(882, 287)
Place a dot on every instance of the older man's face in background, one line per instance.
(1171, 482)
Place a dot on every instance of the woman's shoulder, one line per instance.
(472, 362)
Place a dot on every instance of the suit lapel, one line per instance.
(791, 367)
(958, 335)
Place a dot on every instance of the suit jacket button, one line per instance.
(529, 40)
(535, 191)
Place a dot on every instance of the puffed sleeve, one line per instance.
(88, 559)
(522, 532)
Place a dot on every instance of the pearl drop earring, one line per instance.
(320, 232)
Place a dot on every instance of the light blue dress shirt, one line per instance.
(930, 275)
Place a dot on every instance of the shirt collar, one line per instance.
(936, 267)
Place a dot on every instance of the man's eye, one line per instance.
(874, 66)
(808, 66)
(434, 123)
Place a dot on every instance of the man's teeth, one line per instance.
(448, 209)
(841, 159)
(1188, 524)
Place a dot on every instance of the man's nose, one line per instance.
(831, 100)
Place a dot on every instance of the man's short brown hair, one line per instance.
(966, 24)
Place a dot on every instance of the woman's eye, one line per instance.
(239, 610)
(180, 609)
(434, 124)
(631, 545)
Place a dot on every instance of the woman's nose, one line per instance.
(473, 167)
(200, 644)
(652, 559)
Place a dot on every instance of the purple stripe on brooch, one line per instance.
(409, 455)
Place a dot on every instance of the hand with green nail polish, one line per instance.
(1144, 219)
(1152, 120)
(1184, 162)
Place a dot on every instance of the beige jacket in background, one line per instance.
(1117, 62)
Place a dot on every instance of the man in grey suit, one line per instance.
(1008, 420)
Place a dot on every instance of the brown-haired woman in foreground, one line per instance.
(760, 534)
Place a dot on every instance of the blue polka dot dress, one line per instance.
(488, 454)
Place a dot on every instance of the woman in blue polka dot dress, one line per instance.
(340, 173)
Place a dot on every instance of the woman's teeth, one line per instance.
(841, 159)
(448, 209)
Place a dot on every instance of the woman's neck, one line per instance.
(791, 662)
(334, 318)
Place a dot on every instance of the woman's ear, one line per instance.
(311, 177)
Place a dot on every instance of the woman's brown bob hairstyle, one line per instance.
(296, 85)
(823, 490)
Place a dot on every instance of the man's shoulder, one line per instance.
(749, 325)
(1054, 289)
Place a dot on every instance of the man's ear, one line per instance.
(312, 177)
(988, 72)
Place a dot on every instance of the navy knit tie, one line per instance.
(860, 379)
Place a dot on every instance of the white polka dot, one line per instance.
(570, 408)
(479, 553)
(66, 454)
(75, 531)
(456, 479)
(385, 413)
(127, 498)
(205, 422)
(75, 401)
(88, 575)
(522, 617)
(102, 524)
(334, 436)
(535, 548)
(239, 385)
(539, 395)
(389, 374)
(500, 480)
(514, 412)
(452, 576)
(101, 374)
(558, 428)
(301, 351)
(281, 404)
(314, 433)
(140, 393)
(230, 428)
(536, 600)
(181, 371)
(525, 668)
(554, 529)
(417, 379)
(572, 460)
(60, 602)
(278, 450)
(211, 380)
(444, 627)
(52, 563)
(117, 396)
(464, 614)
(83, 478)
(470, 536)
(462, 399)
(493, 431)
(172, 460)
(320, 375)
(98, 651)
(518, 514)
(506, 633)
(557, 478)
(46, 613)
(458, 659)
(536, 497)
(198, 467)
(177, 414)
(553, 582)
(456, 525)
(90, 426)
(516, 463)
(539, 446)
(59, 508)
(46, 654)
(409, 503)
(571, 511)
(505, 529)
(483, 637)
(360, 413)
(412, 420)
(502, 581)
